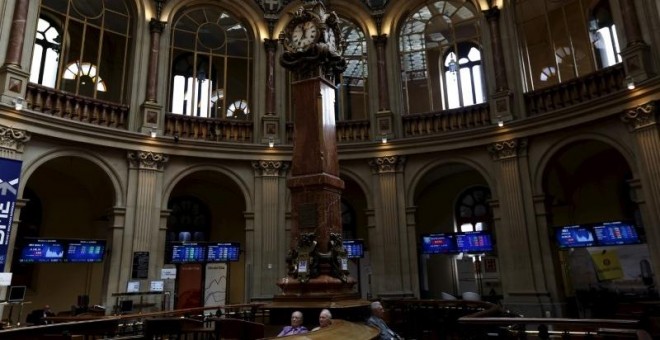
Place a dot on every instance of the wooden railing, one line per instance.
(432, 123)
(580, 90)
(66, 105)
(209, 129)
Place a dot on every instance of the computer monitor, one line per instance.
(575, 236)
(474, 242)
(354, 249)
(133, 287)
(616, 233)
(439, 244)
(16, 294)
(156, 286)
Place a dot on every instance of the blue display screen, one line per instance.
(85, 251)
(223, 252)
(439, 244)
(616, 233)
(354, 249)
(575, 236)
(474, 242)
(42, 251)
(188, 253)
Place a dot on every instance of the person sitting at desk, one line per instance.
(296, 325)
(376, 320)
(38, 316)
(325, 320)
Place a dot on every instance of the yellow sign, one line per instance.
(607, 265)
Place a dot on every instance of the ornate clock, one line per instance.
(313, 38)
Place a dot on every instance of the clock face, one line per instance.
(303, 35)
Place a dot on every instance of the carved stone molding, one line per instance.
(147, 160)
(13, 139)
(387, 164)
(508, 149)
(270, 168)
(640, 117)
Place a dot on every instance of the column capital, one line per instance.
(271, 44)
(13, 139)
(270, 168)
(156, 26)
(640, 117)
(388, 164)
(380, 39)
(147, 160)
(508, 149)
(492, 14)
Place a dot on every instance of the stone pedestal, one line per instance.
(14, 83)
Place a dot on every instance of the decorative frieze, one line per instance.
(640, 117)
(270, 168)
(387, 164)
(13, 139)
(508, 149)
(147, 160)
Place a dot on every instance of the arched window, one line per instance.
(439, 46)
(72, 45)
(462, 77)
(354, 95)
(603, 35)
(472, 211)
(211, 55)
(563, 40)
(46, 53)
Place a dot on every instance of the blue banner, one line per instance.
(10, 171)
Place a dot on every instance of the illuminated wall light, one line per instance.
(154, 133)
(18, 103)
(630, 83)
(500, 123)
(384, 139)
(271, 142)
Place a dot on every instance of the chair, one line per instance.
(471, 296)
(447, 296)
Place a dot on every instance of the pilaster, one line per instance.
(522, 289)
(267, 235)
(643, 125)
(391, 228)
(145, 179)
(12, 142)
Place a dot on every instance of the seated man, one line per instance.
(325, 320)
(296, 325)
(376, 320)
(38, 316)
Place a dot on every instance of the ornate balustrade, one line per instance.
(65, 105)
(449, 120)
(580, 90)
(348, 131)
(209, 129)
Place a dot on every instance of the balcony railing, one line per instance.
(577, 91)
(348, 131)
(450, 120)
(66, 105)
(209, 129)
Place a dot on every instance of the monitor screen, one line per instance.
(188, 253)
(616, 233)
(16, 294)
(439, 244)
(42, 251)
(474, 242)
(223, 252)
(354, 249)
(85, 251)
(574, 236)
(133, 287)
(156, 286)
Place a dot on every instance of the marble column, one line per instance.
(143, 222)
(270, 121)
(500, 101)
(393, 265)
(637, 54)
(642, 122)
(522, 269)
(12, 77)
(267, 235)
(384, 120)
(117, 266)
(151, 110)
